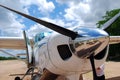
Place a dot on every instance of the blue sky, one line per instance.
(66, 13)
(33, 11)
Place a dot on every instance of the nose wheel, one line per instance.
(17, 78)
(30, 71)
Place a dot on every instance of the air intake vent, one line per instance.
(64, 52)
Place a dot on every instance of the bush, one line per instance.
(7, 58)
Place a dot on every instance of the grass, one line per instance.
(7, 58)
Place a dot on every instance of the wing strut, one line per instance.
(5, 52)
(29, 51)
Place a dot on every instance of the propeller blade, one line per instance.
(52, 26)
(109, 22)
(93, 67)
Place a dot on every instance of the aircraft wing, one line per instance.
(114, 39)
(12, 43)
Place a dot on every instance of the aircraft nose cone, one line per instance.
(93, 41)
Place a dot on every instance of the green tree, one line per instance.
(113, 30)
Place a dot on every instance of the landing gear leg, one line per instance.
(30, 71)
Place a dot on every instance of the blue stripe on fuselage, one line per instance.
(40, 45)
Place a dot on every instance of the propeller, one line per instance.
(112, 20)
(52, 26)
(93, 66)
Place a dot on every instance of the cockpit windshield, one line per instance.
(41, 35)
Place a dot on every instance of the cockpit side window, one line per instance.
(40, 36)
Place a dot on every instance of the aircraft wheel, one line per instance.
(17, 78)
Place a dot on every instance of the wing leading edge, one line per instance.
(12, 43)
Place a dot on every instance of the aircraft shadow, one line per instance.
(114, 78)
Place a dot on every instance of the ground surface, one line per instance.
(112, 70)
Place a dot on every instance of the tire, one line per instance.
(17, 78)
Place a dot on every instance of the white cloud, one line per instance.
(14, 4)
(88, 12)
(10, 23)
(77, 13)
(43, 5)
(56, 21)
(39, 28)
(68, 1)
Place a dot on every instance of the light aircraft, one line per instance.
(65, 52)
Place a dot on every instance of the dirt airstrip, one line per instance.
(112, 70)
